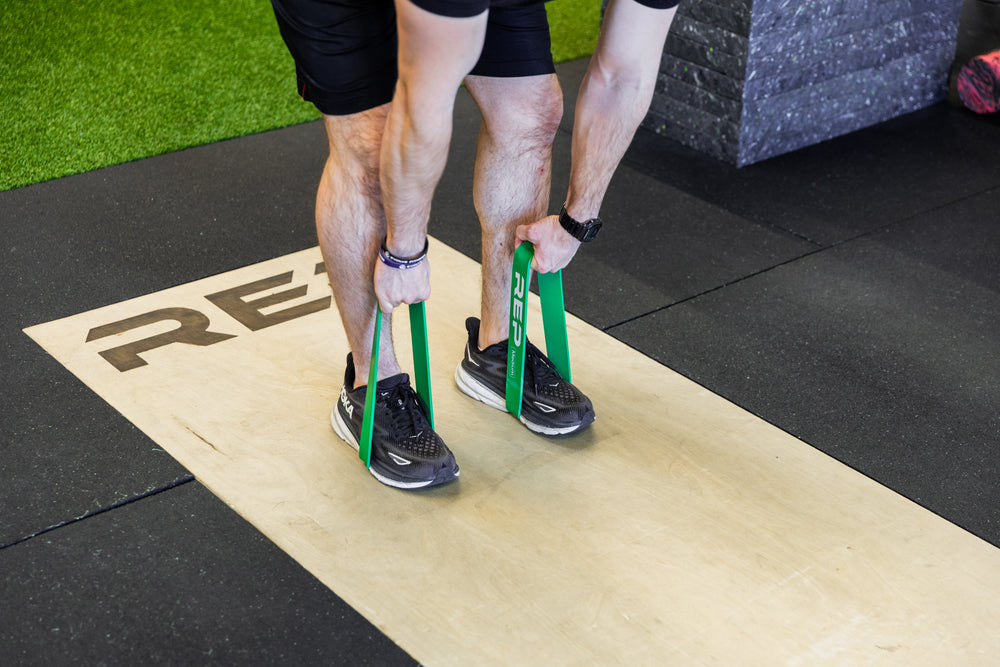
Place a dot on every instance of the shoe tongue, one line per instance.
(388, 383)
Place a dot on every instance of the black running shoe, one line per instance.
(406, 452)
(550, 406)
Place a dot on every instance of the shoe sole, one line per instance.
(341, 429)
(473, 388)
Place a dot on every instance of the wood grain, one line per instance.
(679, 529)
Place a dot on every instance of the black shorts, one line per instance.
(345, 50)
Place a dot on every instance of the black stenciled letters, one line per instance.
(193, 330)
(248, 313)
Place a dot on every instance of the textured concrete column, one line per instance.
(745, 80)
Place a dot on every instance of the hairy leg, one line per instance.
(350, 225)
(512, 179)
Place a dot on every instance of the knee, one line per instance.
(550, 112)
(526, 122)
(359, 151)
(355, 148)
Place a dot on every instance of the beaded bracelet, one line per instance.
(401, 262)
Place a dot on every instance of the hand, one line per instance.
(397, 286)
(554, 246)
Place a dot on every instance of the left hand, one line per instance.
(554, 246)
(394, 287)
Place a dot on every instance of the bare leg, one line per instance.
(512, 178)
(350, 225)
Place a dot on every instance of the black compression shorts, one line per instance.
(345, 50)
(659, 4)
(465, 8)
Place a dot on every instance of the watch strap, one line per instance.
(584, 232)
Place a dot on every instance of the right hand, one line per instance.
(554, 246)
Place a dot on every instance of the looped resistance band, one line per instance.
(421, 372)
(550, 291)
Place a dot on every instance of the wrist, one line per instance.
(396, 262)
(582, 204)
(405, 242)
(584, 231)
(581, 211)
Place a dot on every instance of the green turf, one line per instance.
(90, 83)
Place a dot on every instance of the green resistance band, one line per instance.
(550, 291)
(421, 371)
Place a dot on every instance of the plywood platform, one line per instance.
(679, 528)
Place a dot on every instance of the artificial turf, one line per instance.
(90, 83)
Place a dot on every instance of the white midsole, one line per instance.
(470, 386)
(340, 428)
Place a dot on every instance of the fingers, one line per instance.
(527, 232)
(554, 248)
(386, 306)
(394, 287)
(387, 301)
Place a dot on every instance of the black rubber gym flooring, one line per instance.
(848, 293)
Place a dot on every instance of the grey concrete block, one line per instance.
(790, 74)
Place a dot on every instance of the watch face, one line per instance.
(591, 230)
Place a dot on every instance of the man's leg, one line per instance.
(345, 60)
(512, 179)
(350, 225)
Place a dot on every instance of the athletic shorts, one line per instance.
(465, 8)
(345, 50)
(659, 4)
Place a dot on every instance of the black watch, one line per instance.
(584, 232)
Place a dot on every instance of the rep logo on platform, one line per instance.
(195, 326)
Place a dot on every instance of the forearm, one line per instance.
(614, 97)
(414, 151)
(412, 159)
(608, 113)
(435, 52)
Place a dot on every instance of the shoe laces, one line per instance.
(538, 369)
(403, 407)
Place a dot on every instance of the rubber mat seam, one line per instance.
(102, 510)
